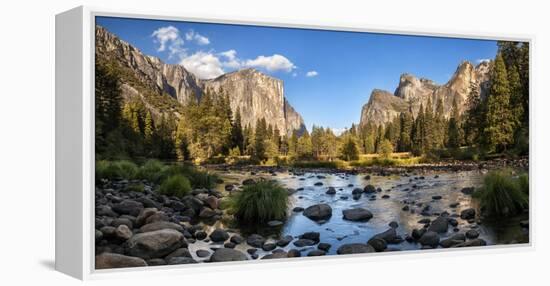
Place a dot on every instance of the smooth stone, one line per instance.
(255, 240)
(357, 214)
(202, 253)
(181, 260)
(298, 209)
(378, 244)
(303, 242)
(123, 232)
(354, 248)
(158, 225)
(294, 253)
(276, 255)
(468, 214)
(439, 225)
(284, 241)
(324, 246)
(331, 191)
(274, 223)
(219, 235)
(113, 260)
(471, 234)
(236, 239)
(154, 244)
(269, 246)
(318, 212)
(227, 254)
(316, 252)
(430, 238)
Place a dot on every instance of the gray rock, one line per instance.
(331, 191)
(471, 234)
(144, 214)
(276, 255)
(269, 246)
(154, 244)
(180, 260)
(357, 214)
(123, 232)
(130, 207)
(369, 189)
(122, 221)
(468, 190)
(207, 212)
(430, 238)
(294, 253)
(354, 248)
(113, 260)
(298, 209)
(249, 181)
(202, 253)
(378, 244)
(311, 235)
(324, 246)
(316, 252)
(255, 240)
(158, 225)
(473, 242)
(180, 252)
(439, 225)
(318, 212)
(303, 242)
(390, 236)
(284, 241)
(219, 235)
(468, 214)
(227, 254)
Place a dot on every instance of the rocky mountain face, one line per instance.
(255, 94)
(412, 92)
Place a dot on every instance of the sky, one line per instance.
(328, 75)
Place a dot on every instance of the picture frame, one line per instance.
(75, 145)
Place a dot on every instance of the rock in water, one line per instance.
(357, 214)
(113, 260)
(439, 225)
(219, 235)
(227, 254)
(468, 214)
(255, 240)
(354, 248)
(429, 238)
(154, 244)
(318, 212)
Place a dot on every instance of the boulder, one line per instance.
(311, 235)
(318, 212)
(304, 242)
(207, 212)
(113, 260)
(298, 209)
(284, 241)
(248, 182)
(255, 240)
(369, 189)
(180, 252)
(129, 207)
(472, 233)
(269, 246)
(324, 246)
(160, 225)
(390, 236)
(154, 244)
(122, 232)
(202, 253)
(219, 235)
(468, 214)
(180, 260)
(468, 190)
(227, 254)
(430, 238)
(144, 214)
(331, 191)
(354, 248)
(439, 225)
(357, 214)
(378, 244)
(294, 253)
(449, 242)
(236, 239)
(212, 202)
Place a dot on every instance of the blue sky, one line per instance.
(327, 75)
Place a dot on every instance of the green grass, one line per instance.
(336, 164)
(386, 162)
(197, 178)
(152, 170)
(259, 203)
(116, 170)
(176, 185)
(502, 194)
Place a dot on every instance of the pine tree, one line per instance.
(499, 126)
(349, 150)
(260, 137)
(237, 137)
(379, 138)
(453, 129)
(429, 128)
(516, 100)
(418, 147)
(148, 128)
(473, 123)
(304, 147)
(440, 124)
(406, 126)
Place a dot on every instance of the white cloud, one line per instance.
(271, 63)
(204, 65)
(198, 38)
(338, 131)
(168, 37)
(312, 73)
(483, 61)
(294, 74)
(232, 62)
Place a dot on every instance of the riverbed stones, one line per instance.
(144, 214)
(180, 260)
(473, 242)
(154, 244)
(123, 232)
(472, 233)
(219, 235)
(324, 246)
(311, 235)
(269, 246)
(439, 225)
(468, 214)
(468, 190)
(390, 236)
(130, 207)
(418, 233)
(357, 214)
(393, 224)
(302, 242)
(227, 254)
(113, 260)
(202, 253)
(236, 239)
(316, 252)
(255, 240)
(207, 212)
(180, 252)
(318, 212)
(436, 197)
(331, 191)
(284, 241)
(298, 209)
(378, 244)
(294, 253)
(276, 255)
(355, 248)
(318, 184)
(158, 225)
(430, 238)
(369, 189)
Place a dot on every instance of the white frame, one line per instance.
(75, 164)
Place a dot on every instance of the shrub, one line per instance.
(386, 149)
(176, 185)
(260, 202)
(115, 170)
(523, 181)
(501, 194)
(197, 178)
(152, 171)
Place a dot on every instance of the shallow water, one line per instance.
(337, 231)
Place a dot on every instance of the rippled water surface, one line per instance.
(417, 188)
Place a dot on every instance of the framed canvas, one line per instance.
(186, 143)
